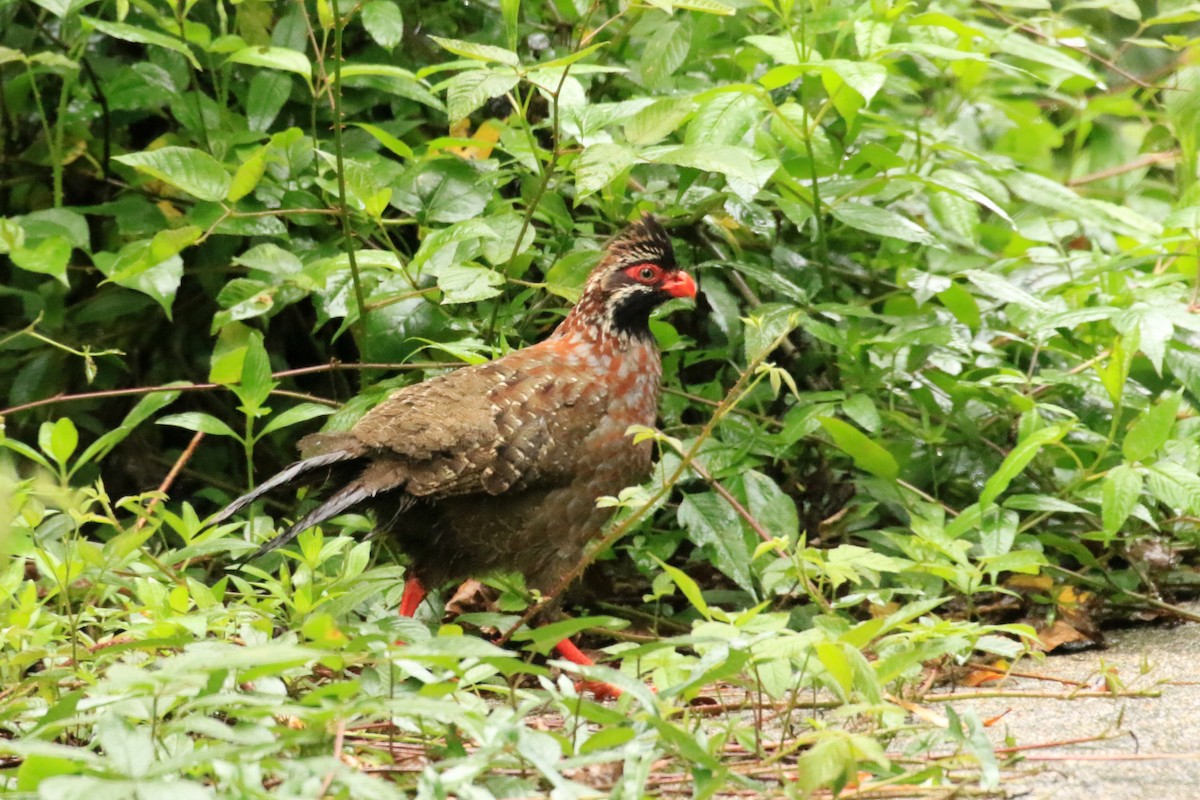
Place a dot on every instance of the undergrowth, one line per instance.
(936, 396)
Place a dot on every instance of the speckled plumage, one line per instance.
(498, 466)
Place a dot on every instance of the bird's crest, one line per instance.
(644, 240)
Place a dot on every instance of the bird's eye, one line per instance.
(645, 273)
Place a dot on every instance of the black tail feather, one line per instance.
(339, 501)
(288, 475)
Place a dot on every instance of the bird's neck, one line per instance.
(593, 321)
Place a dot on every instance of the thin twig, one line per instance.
(339, 742)
(809, 588)
(163, 487)
(62, 397)
(1142, 161)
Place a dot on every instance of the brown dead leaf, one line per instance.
(992, 673)
(920, 712)
(1061, 633)
(990, 721)
(471, 596)
(1029, 583)
(878, 611)
(484, 139)
(169, 209)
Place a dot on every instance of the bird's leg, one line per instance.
(414, 593)
(603, 691)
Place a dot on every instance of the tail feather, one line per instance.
(339, 501)
(288, 475)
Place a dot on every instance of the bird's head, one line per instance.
(637, 274)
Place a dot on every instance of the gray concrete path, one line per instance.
(1152, 745)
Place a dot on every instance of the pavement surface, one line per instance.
(1143, 746)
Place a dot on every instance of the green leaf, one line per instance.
(867, 454)
(445, 190)
(478, 52)
(192, 171)
(1004, 290)
(706, 7)
(672, 41)
(277, 58)
(1022, 46)
(1152, 429)
(134, 268)
(766, 327)
(12, 235)
(961, 304)
(270, 258)
(543, 638)
(198, 421)
(881, 222)
(690, 589)
(1019, 457)
(724, 119)
(58, 439)
(1122, 489)
(837, 666)
(384, 22)
(781, 48)
(391, 79)
(36, 768)
(768, 504)
(268, 92)
(657, 121)
(49, 257)
(131, 33)
(510, 10)
(469, 90)
(864, 77)
(1174, 485)
(468, 284)
(712, 523)
(549, 73)
(256, 381)
(294, 416)
(599, 165)
(386, 139)
(745, 173)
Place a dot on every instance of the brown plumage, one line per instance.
(498, 466)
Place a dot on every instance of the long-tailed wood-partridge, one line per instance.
(498, 466)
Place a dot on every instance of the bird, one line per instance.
(498, 466)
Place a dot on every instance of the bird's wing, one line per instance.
(485, 428)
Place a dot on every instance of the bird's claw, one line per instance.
(599, 689)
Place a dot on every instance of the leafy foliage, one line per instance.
(948, 266)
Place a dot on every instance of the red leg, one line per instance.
(567, 649)
(414, 593)
(603, 691)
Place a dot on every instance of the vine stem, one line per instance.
(339, 156)
(542, 185)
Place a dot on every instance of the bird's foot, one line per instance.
(601, 690)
